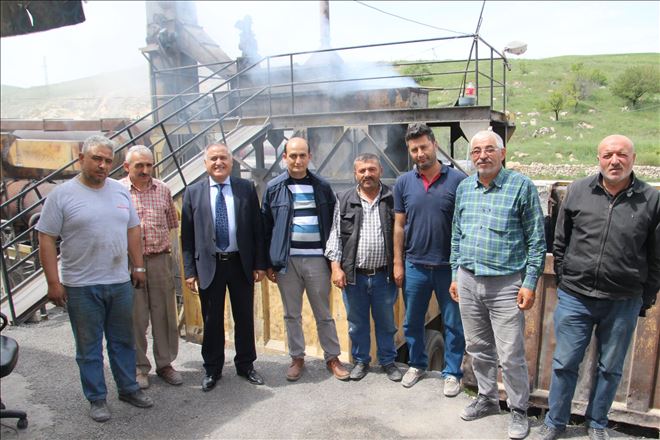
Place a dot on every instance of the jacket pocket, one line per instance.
(347, 223)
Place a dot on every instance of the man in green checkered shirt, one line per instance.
(497, 254)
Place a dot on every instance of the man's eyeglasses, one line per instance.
(487, 150)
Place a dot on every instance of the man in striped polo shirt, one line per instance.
(497, 255)
(297, 209)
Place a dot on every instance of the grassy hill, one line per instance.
(574, 137)
(538, 137)
(120, 94)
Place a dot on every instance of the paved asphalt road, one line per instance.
(46, 384)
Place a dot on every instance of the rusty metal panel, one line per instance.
(638, 397)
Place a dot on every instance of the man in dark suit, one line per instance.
(223, 247)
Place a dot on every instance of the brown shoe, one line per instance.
(336, 367)
(295, 369)
(170, 375)
(142, 379)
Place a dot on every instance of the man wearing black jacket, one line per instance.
(608, 266)
(222, 240)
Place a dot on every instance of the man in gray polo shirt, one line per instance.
(99, 228)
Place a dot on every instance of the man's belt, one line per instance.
(153, 254)
(226, 256)
(371, 272)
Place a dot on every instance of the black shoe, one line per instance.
(253, 377)
(393, 372)
(359, 371)
(208, 382)
(137, 398)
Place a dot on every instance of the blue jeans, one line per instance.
(378, 294)
(94, 310)
(420, 281)
(574, 321)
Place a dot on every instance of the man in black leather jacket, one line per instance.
(607, 259)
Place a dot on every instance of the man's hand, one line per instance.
(258, 275)
(139, 279)
(453, 290)
(339, 278)
(192, 284)
(271, 274)
(399, 273)
(525, 298)
(57, 294)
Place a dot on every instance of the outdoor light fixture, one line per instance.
(516, 48)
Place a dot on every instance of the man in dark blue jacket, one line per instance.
(297, 210)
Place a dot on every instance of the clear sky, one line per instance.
(114, 31)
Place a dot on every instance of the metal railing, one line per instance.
(251, 91)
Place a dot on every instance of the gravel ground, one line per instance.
(46, 384)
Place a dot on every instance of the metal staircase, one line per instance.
(254, 107)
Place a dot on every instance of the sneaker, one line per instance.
(338, 369)
(518, 425)
(549, 432)
(393, 372)
(170, 375)
(294, 371)
(452, 386)
(598, 434)
(481, 407)
(143, 380)
(99, 411)
(359, 371)
(138, 398)
(412, 376)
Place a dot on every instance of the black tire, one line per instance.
(435, 349)
(22, 423)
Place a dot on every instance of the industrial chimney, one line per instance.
(325, 24)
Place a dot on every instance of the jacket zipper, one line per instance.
(604, 237)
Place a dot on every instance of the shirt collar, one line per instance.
(598, 181)
(227, 181)
(443, 170)
(380, 193)
(151, 185)
(498, 181)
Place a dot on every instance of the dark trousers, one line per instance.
(228, 275)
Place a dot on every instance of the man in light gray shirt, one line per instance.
(100, 229)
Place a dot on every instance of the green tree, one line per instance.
(557, 101)
(418, 69)
(635, 82)
(573, 92)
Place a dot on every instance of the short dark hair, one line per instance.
(417, 130)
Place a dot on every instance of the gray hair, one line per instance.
(499, 143)
(98, 141)
(139, 150)
(215, 144)
(364, 157)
